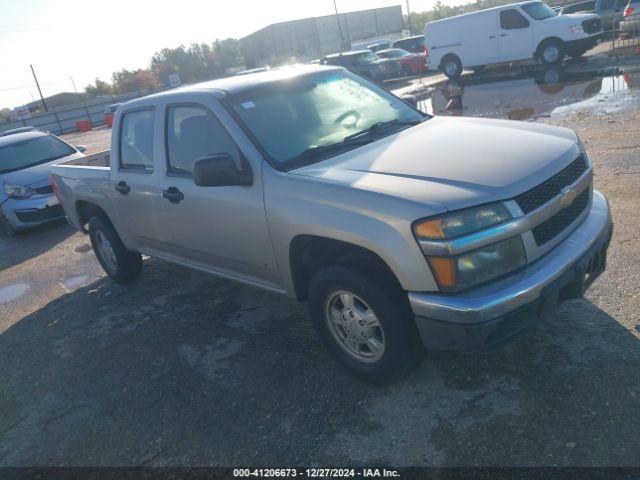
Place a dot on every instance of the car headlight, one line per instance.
(18, 191)
(461, 223)
(478, 266)
(576, 29)
(472, 268)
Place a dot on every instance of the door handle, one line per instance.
(173, 195)
(492, 36)
(503, 34)
(123, 188)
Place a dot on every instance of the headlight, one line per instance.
(18, 191)
(576, 29)
(464, 222)
(479, 266)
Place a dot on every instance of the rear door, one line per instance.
(223, 229)
(134, 177)
(515, 41)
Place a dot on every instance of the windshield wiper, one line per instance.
(379, 126)
(316, 152)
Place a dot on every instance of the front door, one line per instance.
(133, 179)
(217, 228)
(515, 36)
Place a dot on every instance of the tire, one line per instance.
(6, 230)
(396, 332)
(451, 66)
(120, 264)
(551, 52)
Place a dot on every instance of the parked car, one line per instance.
(367, 64)
(373, 45)
(26, 195)
(630, 25)
(515, 32)
(393, 249)
(412, 63)
(416, 44)
(609, 11)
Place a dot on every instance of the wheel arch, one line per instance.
(86, 209)
(310, 253)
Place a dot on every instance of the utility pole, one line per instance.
(74, 85)
(339, 26)
(44, 104)
(409, 18)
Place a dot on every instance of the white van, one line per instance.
(519, 31)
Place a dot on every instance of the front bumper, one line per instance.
(583, 44)
(31, 212)
(486, 315)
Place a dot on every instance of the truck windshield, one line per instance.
(313, 112)
(30, 152)
(539, 10)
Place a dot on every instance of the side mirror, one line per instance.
(220, 170)
(81, 148)
(411, 100)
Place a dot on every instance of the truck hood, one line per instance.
(575, 18)
(452, 163)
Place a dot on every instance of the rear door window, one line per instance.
(512, 19)
(136, 140)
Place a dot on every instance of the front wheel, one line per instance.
(552, 52)
(367, 330)
(120, 264)
(6, 230)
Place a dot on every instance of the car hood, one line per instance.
(576, 18)
(34, 175)
(453, 163)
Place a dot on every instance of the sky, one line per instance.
(85, 39)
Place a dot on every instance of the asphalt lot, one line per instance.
(185, 369)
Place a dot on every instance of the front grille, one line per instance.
(42, 215)
(46, 190)
(592, 26)
(538, 196)
(561, 220)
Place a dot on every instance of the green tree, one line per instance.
(128, 81)
(5, 114)
(99, 87)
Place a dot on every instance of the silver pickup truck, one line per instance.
(402, 231)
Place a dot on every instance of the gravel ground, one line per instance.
(184, 369)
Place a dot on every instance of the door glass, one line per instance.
(194, 132)
(136, 140)
(512, 19)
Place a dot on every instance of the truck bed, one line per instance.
(93, 167)
(99, 159)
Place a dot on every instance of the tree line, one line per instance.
(196, 63)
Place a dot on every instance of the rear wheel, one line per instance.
(120, 264)
(370, 332)
(451, 66)
(551, 52)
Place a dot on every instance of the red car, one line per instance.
(412, 63)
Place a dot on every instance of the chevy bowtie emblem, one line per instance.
(568, 195)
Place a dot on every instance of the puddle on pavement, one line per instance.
(541, 94)
(12, 292)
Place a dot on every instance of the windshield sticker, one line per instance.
(247, 105)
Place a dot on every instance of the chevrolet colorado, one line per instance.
(402, 231)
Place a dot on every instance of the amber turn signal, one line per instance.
(445, 270)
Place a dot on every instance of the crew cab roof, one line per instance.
(240, 83)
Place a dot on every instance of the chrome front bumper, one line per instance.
(499, 301)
